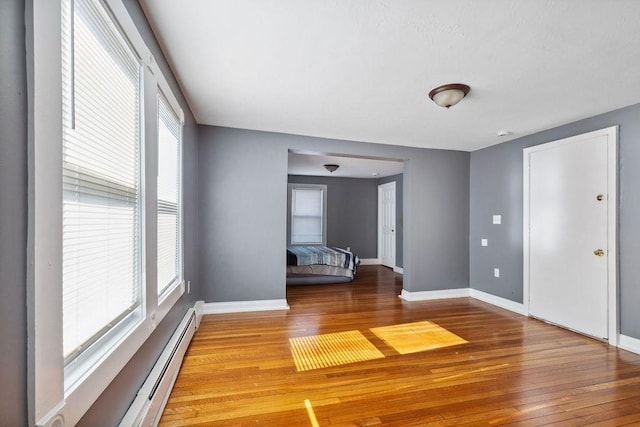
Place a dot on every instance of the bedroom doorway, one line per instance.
(351, 205)
(387, 224)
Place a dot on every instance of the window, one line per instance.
(105, 174)
(308, 214)
(169, 242)
(101, 229)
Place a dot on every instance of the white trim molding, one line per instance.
(462, 293)
(369, 261)
(516, 307)
(244, 306)
(431, 295)
(398, 270)
(629, 343)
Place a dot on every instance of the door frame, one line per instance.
(380, 222)
(612, 222)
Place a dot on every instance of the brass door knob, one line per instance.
(598, 252)
(600, 197)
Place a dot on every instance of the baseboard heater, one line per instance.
(149, 403)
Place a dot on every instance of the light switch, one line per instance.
(484, 242)
(497, 219)
(496, 272)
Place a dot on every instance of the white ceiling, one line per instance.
(361, 69)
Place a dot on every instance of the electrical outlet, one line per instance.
(497, 219)
(188, 286)
(484, 242)
(496, 272)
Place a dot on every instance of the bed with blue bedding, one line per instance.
(316, 264)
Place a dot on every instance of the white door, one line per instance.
(387, 224)
(568, 240)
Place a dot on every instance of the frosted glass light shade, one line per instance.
(448, 95)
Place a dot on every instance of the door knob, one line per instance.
(598, 252)
(600, 197)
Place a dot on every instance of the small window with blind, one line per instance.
(169, 218)
(101, 230)
(308, 214)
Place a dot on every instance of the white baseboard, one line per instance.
(516, 307)
(369, 261)
(398, 270)
(431, 295)
(629, 343)
(243, 306)
(461, 293)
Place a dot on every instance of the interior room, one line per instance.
(353, 215)
(147, 158)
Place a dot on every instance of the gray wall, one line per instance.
(399, 213)
(352, 212)
(496, 188)
(243, 199)
(13, 214)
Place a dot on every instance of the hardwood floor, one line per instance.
(513, 370)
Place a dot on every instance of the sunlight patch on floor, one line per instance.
(322, 351)
(311, 413)
(415, 337)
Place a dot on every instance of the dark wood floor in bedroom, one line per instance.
(513, 370)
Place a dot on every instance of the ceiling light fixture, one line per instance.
(331, 168)
(449, 94)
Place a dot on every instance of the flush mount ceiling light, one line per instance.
(449, 94)
(331, 168)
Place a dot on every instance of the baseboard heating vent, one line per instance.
(149, 403)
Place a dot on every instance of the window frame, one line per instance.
(295, 186)
(56, 396)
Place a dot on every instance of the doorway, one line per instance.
(570, 274)
(387, 224)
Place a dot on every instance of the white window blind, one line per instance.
(307, 215)
(101, 178)
(169, 135)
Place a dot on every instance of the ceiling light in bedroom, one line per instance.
(449, 94)
(331, 168)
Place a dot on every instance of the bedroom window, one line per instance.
(169, 258)
(308, 214)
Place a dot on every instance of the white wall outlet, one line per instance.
(484, 242)
(497, 219)
(496, 272)
(188, 286)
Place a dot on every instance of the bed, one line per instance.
(319, 264)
